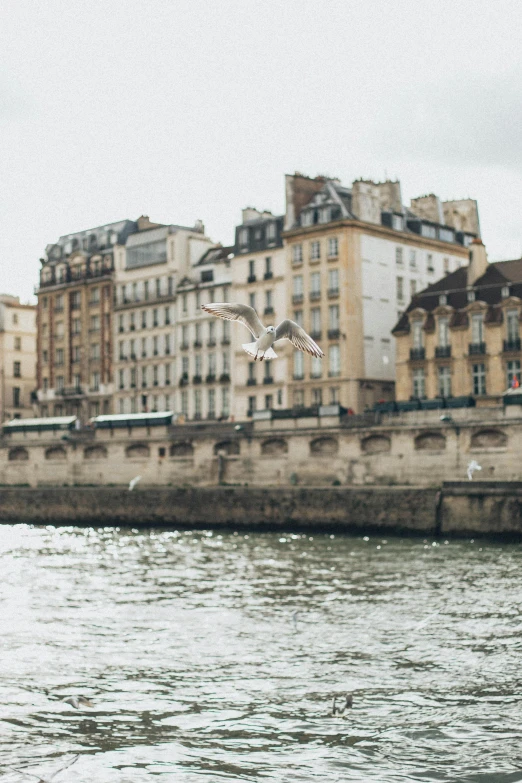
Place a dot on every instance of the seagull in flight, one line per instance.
(78, 702)
(338, 710)
(133, 482)
(265, 337)
(472, 467)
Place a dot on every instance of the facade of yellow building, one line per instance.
(461, 336)
(354, 256)
(17, 358)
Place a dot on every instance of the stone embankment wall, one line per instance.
(417, 450)
(458, 509)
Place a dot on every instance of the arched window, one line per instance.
(375, 444)
(55, 453)
(95, 452)
(274, 446)
(18, 454)
(137, 450)
(324, 445)
(228, 446)
(181, 449)
(430, 441)
(489, 439)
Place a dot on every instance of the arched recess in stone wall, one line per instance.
(55, 452)
(324, 445)
(137, 450)
(274, 447)
(18, 454)
(182, 449)
(375, 444)
(430, 441)
(228, 446)
(489, 439)
(95, 452)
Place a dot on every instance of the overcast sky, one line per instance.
(184, 109)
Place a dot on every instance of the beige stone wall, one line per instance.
(17, 358)
(417, 450)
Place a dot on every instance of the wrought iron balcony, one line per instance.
(183, 381)
(268, 379)
(251, 382)
(225, 341)
(251, 279)
(512, 345)
(297, 298)
(184, 346)
(417, 354)
(334, 334)
(268, 275)
(224, 377)
(71, 391)
(332, 292)
(315, 334)
(196, 379)
(198, 344)
(268, 311)
(443, 351)
(211, 378)
(315, 296)
(477, 349)
(211, 342)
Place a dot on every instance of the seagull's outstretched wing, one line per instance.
(289, 330)
(66, 766)
(237, 312)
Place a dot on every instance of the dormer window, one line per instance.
(505, 292)
(243, 238)
(325, 215)
(443, 299)
(307, 218)
(471, 295)
(397, 222)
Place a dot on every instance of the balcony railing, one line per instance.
(198, 344)
(211, 378)
(333, 292)
(224, 377)
(268, 379)
(184, 346)
(268, 275)
(211, 342)
(183, 381)
(315, 334)
(334, 334)
(225, 341)
(197, 379)
(268, 311)
(315, 296)
(417, 354)
(297, 298)
(512, 345)
(70, 391)
(251, 279)
(477, 349)
(298, 376)
(443, 351)
(251, 382)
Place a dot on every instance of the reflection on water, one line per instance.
(215, 657)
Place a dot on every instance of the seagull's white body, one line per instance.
(472, 467)
(265, 337)
(78, 702)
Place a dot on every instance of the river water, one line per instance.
(215, 656)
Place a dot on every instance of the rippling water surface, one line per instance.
(215, 657)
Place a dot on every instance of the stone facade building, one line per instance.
(354, 258)
(205, 361)
(148, 270)
(75, 340)
(461, 335)
(259, 279)
(17, 358)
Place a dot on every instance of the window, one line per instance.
(45, 357)
(211, 412)
(197, 363)
(317, 396)
(76, 326)
(44, 303)
(334, 396)
(135, 292)
(158, 286)
(334, 361)
(512, 325)
(298, 317)
(315, 320)
(226, 364)
(133, 405)
(75, 300)
(268, 301)
(121, 404)
(58, 303)
(298, 365)
(251, 372)
(479, 379)
(95, 323)
(167, 316)
(268, 268)
(269, 402)
(212, 364)
(167, 344)
(95, 296)
(418, 383)
(298, 398)
(297, 254)
(122, 379)
(251, 271)
(399, 256)
(513, 374)
(333, 317)
(198, 334)
(167, 375)
(59, 329)
(400, 289)
(252, 404)
(155, 346)
(504, 292)
(333, 281)
(77, 380)
(198, 301)
(252, 300)
(76, 353)
(271, 232)
(17, 403)
(413, 259)
(225, 402)
(243, 238)
(417, 334)
(95, 351)
(155, 375)
(443, 332)
(315, 283)
(122, 350)
(184, 336)
(95, 381)
(17, 369)
(429, 264)
(477, 328)
(444, 382)
(59, 357)
(333, 247)
(143, 319)
(315, 251)
(397, 222)
(18, 343)
(413, 287)
(316, 368)
(226, 331)
(184, 403)
(59, 382)
(445, 265)
(298, 285)
(155, 318)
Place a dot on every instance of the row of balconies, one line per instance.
(331, 374)
(266, 276)
(333, 334)
(474, 349)
(198, 379)
(184, 346)
(314, 296)
(267, 380)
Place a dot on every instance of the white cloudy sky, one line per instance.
(185, 109)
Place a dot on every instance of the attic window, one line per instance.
(443, 299)
(471, 295)
(505, 291)
(207, 276)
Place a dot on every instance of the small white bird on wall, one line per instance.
(265, 336)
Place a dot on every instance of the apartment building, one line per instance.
(149, 267)
(17, 358)
(355, 256)
(205, 356)
(461, 335)
(75, 343)
(259, 279)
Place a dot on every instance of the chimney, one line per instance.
(462, 215)
(478, 261)
(428, 207)
(390, 196)
(366, 204)
(299, 191)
